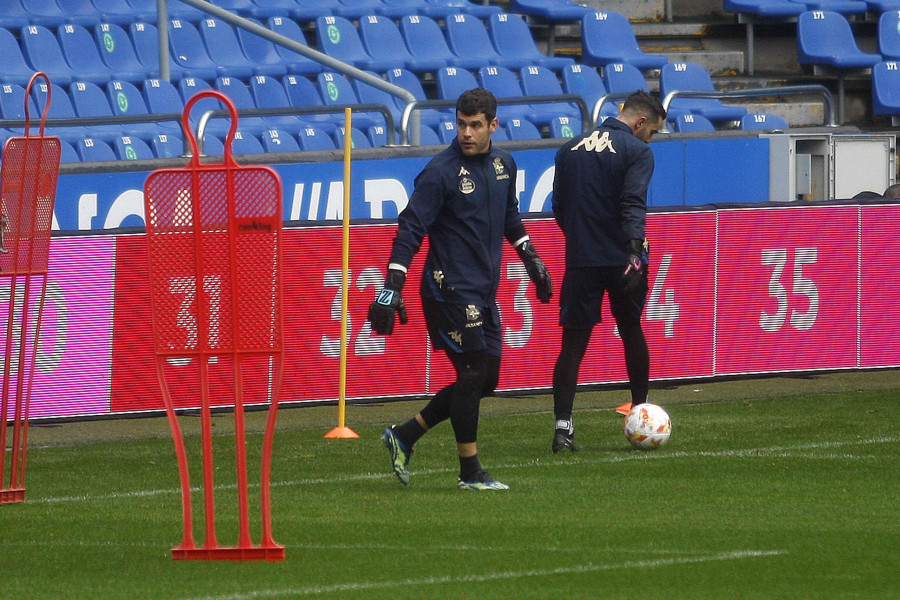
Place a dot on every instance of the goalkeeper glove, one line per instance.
(536, 270)
(387, 302)
(638, 259)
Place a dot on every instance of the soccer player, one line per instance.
(600, 203)
(465, 202)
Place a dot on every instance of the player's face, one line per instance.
(473, 132)
(645, 128)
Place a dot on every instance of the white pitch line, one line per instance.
(498, 576)
(777, 451)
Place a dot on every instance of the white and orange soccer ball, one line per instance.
(647, 426)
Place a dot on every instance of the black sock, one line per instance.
(410, 432)
(468, 467)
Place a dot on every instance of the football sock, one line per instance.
(471, 370)
(637, 361)
(410, 432)
(565, 373)
(468, 467)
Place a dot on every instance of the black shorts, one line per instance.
(582, 297)
(462, 328)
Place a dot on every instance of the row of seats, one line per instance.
(779, 9)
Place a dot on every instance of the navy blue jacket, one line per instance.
(465, 205)
(600, 194)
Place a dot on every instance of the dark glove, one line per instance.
(387, 302)
(537, 272)
(638, 258)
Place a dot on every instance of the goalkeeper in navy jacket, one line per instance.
(465, 202)
(600, 203)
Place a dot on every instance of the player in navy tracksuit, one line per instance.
(600, 203)
(465, 202)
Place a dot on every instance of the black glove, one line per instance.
(537, 272)
(387, 302)
(638, 258)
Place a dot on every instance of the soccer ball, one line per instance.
(647, 426)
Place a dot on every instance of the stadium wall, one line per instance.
(734, 290)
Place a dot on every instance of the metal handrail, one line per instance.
(595, 113)
(794, 90)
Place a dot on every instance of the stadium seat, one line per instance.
(541, 81)
(189, 51)
(13, 16)
(129, 147)
(398, 9)
(750, 12)
(145, 38)
(563, 127)
(83, 56)
(212, 145)
(513, 39)
(411, 84)
(301, 92)
(338, 38)
(294, 61)
(245, 142)
(889, 35)
(312, 138)
(522, 129)
(369, 94)
(12, 104)
(377, 136)
(188, 87)
(886, 90)
(222, 45)
(688, 123)
(261, 52)
(382, 40)
(585, 81)
(446, 8)
(67, 152)
(117, 52)
(336, 90)
(90, 101)
(43, 53)
(426, 42)
(239, 94)
(47, 13)
(691, 76)
(13, 67)
(624, 78)
(127, 100)
(243, 8)
(264, 9)
(844, 7)
(268, 92)
(167, 145)
(428, 136)
(122, 13)
(551, 10)
(305, 10)
(275, 140)
(94, 150)
(607, 37)
(61, 108)
(176, 10)
(503, 83)
(358, 139)
(356, 9)
(468, 38)
(161, 97)
(446, 131)
(752, 121)
(80, 12)
(453, 81)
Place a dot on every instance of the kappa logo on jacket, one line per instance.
(596, 143)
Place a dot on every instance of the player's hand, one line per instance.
(638, 258)
(388, 302)
(536, 270)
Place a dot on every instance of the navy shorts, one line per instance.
(582, 297)
(462, 328)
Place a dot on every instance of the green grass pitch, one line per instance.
(769, 488)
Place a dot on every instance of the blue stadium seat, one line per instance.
(263, 9)
(47, 13)
(541, 81)
(313, 9)
(749, 12)
(336, 90)
(261, 52)
(585, 81)
(189, 51)
(295, 62)
(94, 150)
(212, 145)
(468, 38)
(754, 121)
(844, 7)
(691, 76)
(688, 123)
(428, 136)
(446, 131)
(245, 142)
(268, 92)
(80, 12)
(239, 94)
(338, 38)
(607, 37)
(624, 78)
(522, 129)
(145, 39)
(426, 42)
(117, 52)
(453, 81)
(302, 92)
(377, 136)
(61, 108)
(408, 81)
(563, 127)
(825, 38)
(12, 104)
(358, 139)
(398, 9)
(512, 38)
(243, 8)
(503, 83)
(313, 138)
(128, 147)
(13, 67)
(162, 97)
(13, 16)
(42, 51)
(83, 56)
(175, 10)
(886, 89)
(167, 145)
(551, 10)
(369, 94)
(275, 140)
(382, 40)
(90, 101)
(67, 152)
(889, 35)
(122, 13)
(222, 45)
(356, 9)
(127, 100)
(445, 8)
(188, 87)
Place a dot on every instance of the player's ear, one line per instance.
(494, 124)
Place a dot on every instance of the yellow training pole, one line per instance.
(342, 431)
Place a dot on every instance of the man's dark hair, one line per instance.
(644, 103)
(478, 100)
(893, 191)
